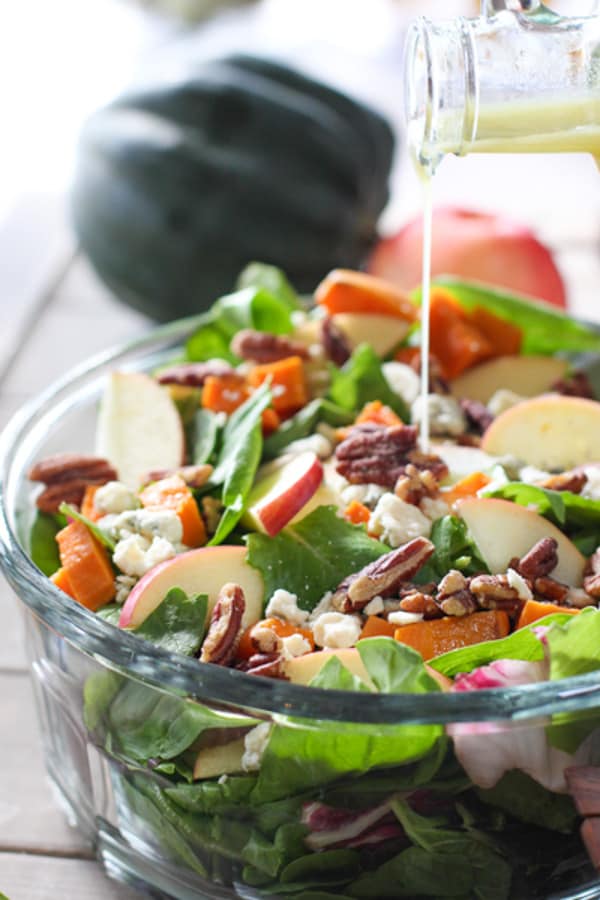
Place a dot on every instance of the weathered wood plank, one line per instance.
(29, 816)
(27, 877)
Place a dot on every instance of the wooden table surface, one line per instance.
(54, 313)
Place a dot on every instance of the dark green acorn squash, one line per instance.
(182, 181)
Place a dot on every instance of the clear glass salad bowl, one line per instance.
(118, 713)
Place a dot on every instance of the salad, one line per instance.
(264, 502)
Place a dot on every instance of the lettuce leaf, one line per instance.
(304, 423)
(520, 796)
(360, 380)
(313, 556)
(303, 755)
(71, 513)
(238, 460)
(454, 549)
(546, 330)
(577, 516)
(250, 307)
(177, 624)
(43, 548)
(270, 279)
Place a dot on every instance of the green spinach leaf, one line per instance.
(304, 423)
(43, 548)
(454, 549)
(312, 556)
(360, 380)
(177, 624)
(204, 437)
(528, 801)
(272, 280)
(71, 513)
(239, 458)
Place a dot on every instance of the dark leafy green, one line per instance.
(520, 796)
(43, 548)
(110, 613)
(545, 330)
(99, 690)
(312, 556)
(360, 380)
(148, 724)
(238, 460)
(71, 513)
(304, 423)
(395, 668)
(272, 280)
(335, 675)
(204, 436)
(212, 797)
(250, 307)
(177, 624)
(454, 549)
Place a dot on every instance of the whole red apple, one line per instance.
(475, 245)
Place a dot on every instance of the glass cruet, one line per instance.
(519, 78)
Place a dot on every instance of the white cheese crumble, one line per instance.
(318, 443)
(334, 630)
(162, 523)
(404, 618)
(533, 475)
(294, 645)
(255, 744)
(445, 414)
(284, 605)
(398, 522)
(136, 555)
(518, 583)
(367, 494)
(591, 488)
(503, 399)
(374, 607)
(403, 380)
(115, 497)
(123, 586)
(434, 507)
(323, 606)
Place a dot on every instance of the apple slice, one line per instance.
(381, 332)
(525, 375)
(202, 571)
(280, 495)
(503, 530)
(139, 428)
(225, 759)
(302, 669)
(550, 432)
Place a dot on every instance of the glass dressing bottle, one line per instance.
(520, 78)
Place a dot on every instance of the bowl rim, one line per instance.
(219, 685)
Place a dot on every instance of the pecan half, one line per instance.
(221, 641)
(550, 589)
(264, 347)
(454, 596)
(375, 455)
(415, 484)
(384, 574)
(194, 374)
(423, 604)
(268, 665)
(494, 592)
(479, 418)
(335, 345)
(428, 462)
(66, 476)
(566, 481)
(540, 561)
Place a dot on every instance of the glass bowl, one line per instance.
(119, 718)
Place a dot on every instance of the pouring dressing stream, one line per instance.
(518, 79)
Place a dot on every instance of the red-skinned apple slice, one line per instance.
(277, 498)
(503, 530)
(479, 246)
(202, 571)
(139, 428)
(550, 432)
